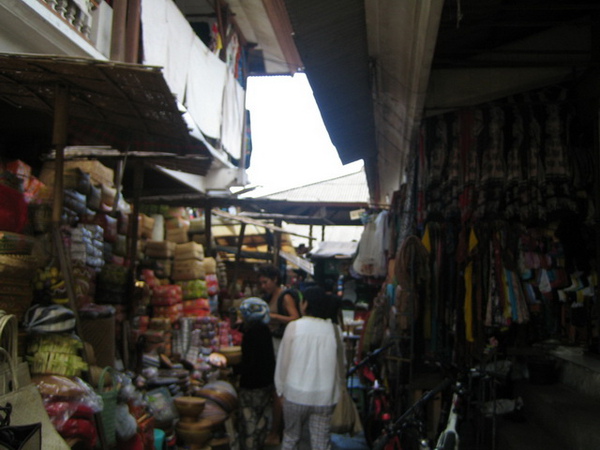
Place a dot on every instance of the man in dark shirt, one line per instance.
(256, 374)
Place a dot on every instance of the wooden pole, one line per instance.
(238, 258)
(276, 243)
(208, 228)
(59, 141)
(119, 29)
(132, 31)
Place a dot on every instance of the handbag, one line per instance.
(8, 340)
(19, 437)
(27, 406)
(345, 418)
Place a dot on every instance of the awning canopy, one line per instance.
(127, 106)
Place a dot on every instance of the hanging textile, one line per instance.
(468, 279)
(371, 258)
(412, 272)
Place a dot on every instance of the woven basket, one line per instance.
(15, 244)
(17, 266)
(109, 397)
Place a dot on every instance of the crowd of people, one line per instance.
(288, 373)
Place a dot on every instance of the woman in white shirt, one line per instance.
(306, 375)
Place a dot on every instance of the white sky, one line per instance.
(290, 145)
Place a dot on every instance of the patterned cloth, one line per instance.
(253, 422)
(319, 424)
(255, 309)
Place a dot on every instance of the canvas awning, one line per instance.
(127, 106)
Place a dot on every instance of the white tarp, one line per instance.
(205, 86)
(332, 249)
(233, 117)
(195, 74)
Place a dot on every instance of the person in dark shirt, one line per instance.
(256, 374)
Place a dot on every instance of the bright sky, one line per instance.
(290, 145)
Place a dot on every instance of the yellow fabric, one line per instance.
(426, 239)
(468, 309)
(469, 302)
(473, 241)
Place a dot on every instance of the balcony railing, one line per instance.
(76, 13)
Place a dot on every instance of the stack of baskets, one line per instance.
(16, 266)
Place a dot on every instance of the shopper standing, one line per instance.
(256, 374)
(284, 309)
(306, 372)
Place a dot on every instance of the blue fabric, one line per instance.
(347, 442)
(255, 309)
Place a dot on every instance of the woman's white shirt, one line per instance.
(306, 371)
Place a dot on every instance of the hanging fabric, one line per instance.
(371, 258)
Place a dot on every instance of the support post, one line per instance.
(59, 141)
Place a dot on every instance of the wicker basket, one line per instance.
(17, 266)
(109, 398)
(15, 244)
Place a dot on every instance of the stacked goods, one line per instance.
(87, 244)
(112, 284)
(199, 307)
(71, 405)
(187, 269)
(189, 250)
(75, 203)
(84, 283)
(16, 267)
(145, 226)
(56, 354)
(193, 289)
(32, 188)
(188, 264)
(13, 209)
(177, 224)
(160, 249)
(49, 285)
(98, 173)
(167, 302)
(159, 257)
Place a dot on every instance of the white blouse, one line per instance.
(306, 371)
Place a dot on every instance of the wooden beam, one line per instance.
(59, 141)
(257, 223)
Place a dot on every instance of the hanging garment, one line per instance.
(468, 279)
(371, 257)
(412, 271)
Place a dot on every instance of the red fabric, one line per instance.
(13, 210)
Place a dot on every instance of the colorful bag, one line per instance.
(345, 417)
(19, 437)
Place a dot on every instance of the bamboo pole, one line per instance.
(59, 141)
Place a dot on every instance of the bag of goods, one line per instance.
(71, 405)
(212, 284)
(173, 312)
(187, 269)
(193, 289)
(210, 265)
(196, 308)
(146, 226)
(189, 250)
(177, 235)
(55, 353)
(160, 249)
(166, 295)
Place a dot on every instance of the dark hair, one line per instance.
(270, 271)
(319, 304)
